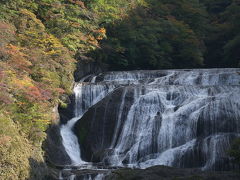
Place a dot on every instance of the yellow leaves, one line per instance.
(45, 121)
(14, 150)
(16, 51)
(27, 13)
(23, 83)
(33, 34)
(49, 44)
(97, 36)
(52, 45)
(30, 21)
(51, 41)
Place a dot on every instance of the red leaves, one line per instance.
(7, 31)
(4, 140)
(18, 59)
(60, 90)
(4, 95)
(5, 99)
(35, 93)
(79, 3)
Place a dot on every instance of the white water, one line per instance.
(85, 97)
(175, 136)
(69, 139)
(164, 124)
(70, 142)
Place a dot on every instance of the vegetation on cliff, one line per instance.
(40, 42)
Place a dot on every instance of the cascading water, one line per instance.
(85, 97)
(181, 118)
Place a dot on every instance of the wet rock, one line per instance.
(169, 173)
(86, 66)
(54, 150)
(96, 128)
(67, 113)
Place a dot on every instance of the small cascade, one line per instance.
(69, 139)
(86, 95)
(70, 142)
(180, 118)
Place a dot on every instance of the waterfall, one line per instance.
(180, 118)
(70, 142)
(69, 139)
(86, 95)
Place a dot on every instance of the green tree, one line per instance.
(235, 151)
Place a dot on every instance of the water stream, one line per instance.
(179, 118)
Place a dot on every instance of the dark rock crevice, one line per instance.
(55, 153)
(87, 66)
(91, 130)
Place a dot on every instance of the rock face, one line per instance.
(95, 133)
(86, 66)
(55, 152)
(66, 113)
(179, 118)
(169, 173)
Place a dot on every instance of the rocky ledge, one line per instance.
(170, 173)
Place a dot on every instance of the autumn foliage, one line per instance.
(35, 70)
(79, 3)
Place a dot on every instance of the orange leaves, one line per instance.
(14, 49)
(30, 90)
(100, 33)
(102, 30)
(18, 60)
(96, 36)
(36, 93)
(91, 38)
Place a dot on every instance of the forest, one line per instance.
(174, 34)
(42, 41)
